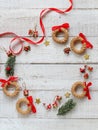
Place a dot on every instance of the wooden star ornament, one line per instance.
(47, 43)
(86, 57)
(37, 101)
(67, 94)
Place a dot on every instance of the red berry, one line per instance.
(86, 76)
(82, 70)
(49, 107)
(8, 68)
(27, 48)
(30, 32)
(55, 104)
(90, 68)
(67, 50)
(58, 98)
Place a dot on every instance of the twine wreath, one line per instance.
(60, 29)
(85, 44)
(12, 81)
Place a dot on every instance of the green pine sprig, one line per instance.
(68, 106)
(9, 67)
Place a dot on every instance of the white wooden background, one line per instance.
(48, 71)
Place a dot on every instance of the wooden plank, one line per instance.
(51, 77)
(84, 109)
(51, 54)
(31, 124)
(14, 124)
(45, 4)
(10, 21)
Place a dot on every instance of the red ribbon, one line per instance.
(33, 108)
(65, 25)
(88, 44)
(21, 39)
(87, 89)
(12, 78)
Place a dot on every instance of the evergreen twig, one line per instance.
(69, 105)
(9, 67)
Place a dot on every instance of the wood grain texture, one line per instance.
(25, 19)
(51, 77)
(47, 71)
(31, 124)
(49, 3)
(51, 54)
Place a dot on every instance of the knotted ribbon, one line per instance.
(65, 25)
(88, 44)
(87, 89)
(10, 79)
(33, 108)
(24, 39)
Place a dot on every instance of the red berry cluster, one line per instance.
(86, 70)
(55, 104)
(27, 48)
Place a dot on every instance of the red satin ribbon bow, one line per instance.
(65, 25)
(22, 39)
(87, 89)
(12, 78)
(88, 44)
(33, 108)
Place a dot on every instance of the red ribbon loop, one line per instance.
(33, 108)
(65, 25)
(10, 79)
(87, 89)
(88, 44)
(21, 39)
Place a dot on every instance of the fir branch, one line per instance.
(69, 105)
(9, 67)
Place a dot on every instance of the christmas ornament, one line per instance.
(60, 29)
(27, 100)
(85, 91)
(86, 71)
(55, 103)
(86, 57)
(74, 88)
(68, 106)
(47, 43)
(11, 82)
(85, 44)
(33, 33)
(67, 95)
(37, 101)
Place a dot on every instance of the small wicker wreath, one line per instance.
(74, 89)
(74, 42)
(55, 35)
(19, 109)
(13, 84)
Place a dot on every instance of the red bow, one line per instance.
(30, 99)
(65, 25)
(87, 89)
(12, 78)
(88, 44)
